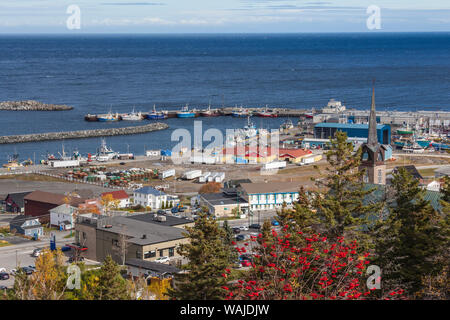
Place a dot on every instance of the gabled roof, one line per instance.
(156, 267)
(294, 153)
(117, 195)
(149, 190)
(52, 198)
(20, 219)
(412, 170)
(64, 209)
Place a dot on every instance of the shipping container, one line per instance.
(166, 174)
(219, 177)
(274, 165)
(204, 177)
(65, 163)
(189, 175)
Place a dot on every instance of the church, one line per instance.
(373, 153)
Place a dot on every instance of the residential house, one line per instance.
(140, 236)
(63, 216)
(121, 196)
(39, 203)
(14, 202)
(28, 226)
(269, 196)
(149, 197)
(223, 204)
(150, 269)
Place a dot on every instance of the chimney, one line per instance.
(144, 236)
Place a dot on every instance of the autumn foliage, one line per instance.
(210, 187)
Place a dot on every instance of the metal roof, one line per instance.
(150, 190)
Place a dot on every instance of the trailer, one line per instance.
(65, 163)
(212, 177)
(219, 177)
(190, 175)
(204, 177)
(274, 165)
(126, 156)
(166, 174)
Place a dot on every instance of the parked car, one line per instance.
(160, 211)
(37, 252)
(13, 271)
(181, 209)
(3, 287)
(275, 223)
(66, 248)
(26, 270)
(243, 228)
(2, 269)
(4, 276)
(162, 259)
(174, 210)
(255, 226)
(240, 237)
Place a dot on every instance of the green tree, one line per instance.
(411, 241)
(208, 258)
(111, 285)
(341, 204)
(228, 242)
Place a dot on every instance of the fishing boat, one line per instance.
(108, 117)
(133, 116)
(13, 162)
(287, 125)
(104, 153)
(156, 115)
(249, 130)
(209, 113)
(413, 148)
(185, 113)
(240, 113)
(266, 114)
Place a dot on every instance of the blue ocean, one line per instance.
(96, 73)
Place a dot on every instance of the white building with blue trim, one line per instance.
(270, 195)
(149, 197)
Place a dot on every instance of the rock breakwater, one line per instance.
(32, 105)
(82, 133)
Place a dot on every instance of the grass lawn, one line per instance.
(427, 172)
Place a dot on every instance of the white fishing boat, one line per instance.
(133, 116)
(104, 153)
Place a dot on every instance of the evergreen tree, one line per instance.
(341, 205)
(411, 240)
(228, 242)
(208, 258)
(111, 285)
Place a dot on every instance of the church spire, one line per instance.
(372, 139)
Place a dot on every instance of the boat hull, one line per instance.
(106, 120)
(185, 115)
(156, 116)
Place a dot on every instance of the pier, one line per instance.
(35, 137)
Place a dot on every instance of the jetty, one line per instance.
(32, 105)
(35, 137)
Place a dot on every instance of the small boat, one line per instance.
(414, 148)
(185, 113)
(13, 162)
(133, 116)
(90, 117)
(108, 117)
(155, 115)
(240, 113)
(209, 113)
(104, 153)
(266, 114)
(287, 125)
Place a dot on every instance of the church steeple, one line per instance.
(372, 139)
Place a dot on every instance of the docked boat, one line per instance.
(266, 114)
(90, 117)
(287, 125)
(133, 116)
(209, 113)
(414, 148)
(108, 117)
(13, 162)
(104, 153)
(185, 113)
(240, 113)
(156, 115)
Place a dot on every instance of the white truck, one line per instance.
(308, 160)
(190, 175)
(166, 174)
(274, 165)
(65, 163)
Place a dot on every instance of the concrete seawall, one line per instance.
(32, 105)
(82, 133)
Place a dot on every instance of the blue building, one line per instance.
(326, 130)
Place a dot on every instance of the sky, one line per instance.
(222, 16)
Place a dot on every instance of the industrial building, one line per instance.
(326, 130)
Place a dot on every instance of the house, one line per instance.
(121, 196)
(14, 202)
(293, 155)
(222, 204)
(28, 226)
(63, 216)
(434, 186)
(39, 203)
(269, 196)
(140, 236)
(149, 197)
